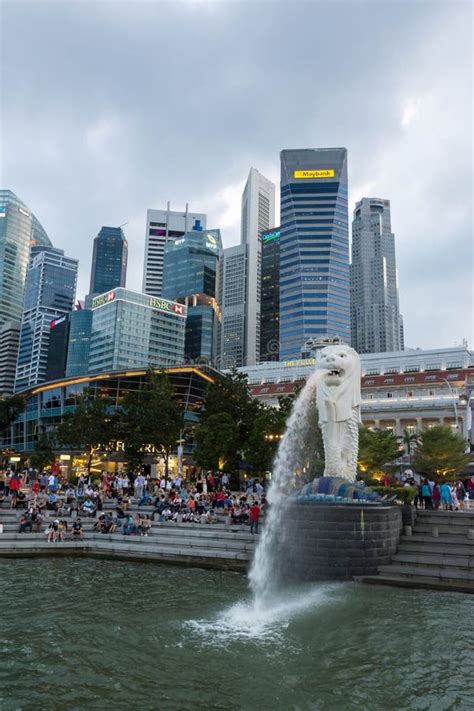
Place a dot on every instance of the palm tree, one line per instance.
(409, 439)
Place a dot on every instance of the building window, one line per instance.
(389, 394)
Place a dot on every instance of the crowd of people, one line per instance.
(447, 496)
(209, 500)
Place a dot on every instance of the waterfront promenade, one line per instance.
(218, 546)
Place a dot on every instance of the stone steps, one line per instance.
(213, 546)
(423, 583)
(157, 539)
(442, 562)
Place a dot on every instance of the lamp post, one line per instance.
(453, 395)
(465, 399)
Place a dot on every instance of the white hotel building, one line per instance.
(403, 390)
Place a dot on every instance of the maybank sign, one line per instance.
(328, 173)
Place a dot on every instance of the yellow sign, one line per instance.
(329, 173)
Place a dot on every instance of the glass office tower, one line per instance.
(109, 261)
(190, 273)
(49, 294)
(270, 296)
(19, 230)
(80, 331)
(133, 330)
(376, 321)
(314, 248)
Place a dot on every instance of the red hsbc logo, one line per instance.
(178, 309)
(111, 296)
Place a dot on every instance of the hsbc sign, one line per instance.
(170, 307)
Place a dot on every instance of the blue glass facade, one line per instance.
(314, 248)
(109, 260)
(134, 330)
(190, 276)
(49, 294)
(80, 331)
(19, 230)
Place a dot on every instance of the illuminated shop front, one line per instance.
(46, 405)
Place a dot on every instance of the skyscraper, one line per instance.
(258, 214)
(19, 230)
(49, 294)
(134, 330)
(9, 339)
(376, 322)
(80, 331)
(57, 348)
(109, 261)
(232, 298)
(190, 275)
(314, 248)
(270, 306)
(162, 226)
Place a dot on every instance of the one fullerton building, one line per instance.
(134, 330)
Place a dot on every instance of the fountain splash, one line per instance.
(264, 570)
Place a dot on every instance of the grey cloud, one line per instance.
(110, 108)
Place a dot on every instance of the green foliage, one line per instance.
(235, 427)
(89, 427)
(217, 442)
(229, 411)
(43, 453)
(377, 449)
(150, 417)
(10, 408)
(404, 494)
(440, 451)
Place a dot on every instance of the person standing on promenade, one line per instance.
(426, 494)
(446, 500)
(254, 517)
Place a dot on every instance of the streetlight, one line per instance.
(465, 399)
(453, 395)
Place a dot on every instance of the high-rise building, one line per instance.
(162, 226)
(270, 302)
(190, 276)
(80, 331)
(9, 339)
(49, 294)
(232, 298)
(376, 322)
(57, 348)
(258, 215)
(134, 330)
(314, 248)
(109, 261)
(19, 230)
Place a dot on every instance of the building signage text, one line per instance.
(103, 299)
(328, 173)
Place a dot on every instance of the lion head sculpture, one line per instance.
(338, 389)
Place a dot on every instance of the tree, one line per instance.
(228, 400)
(150, 418)
(89, 427)
(10, 408)
(377, 449)
(43, 452)
(440, 451)
(217, 443)
(409, 439)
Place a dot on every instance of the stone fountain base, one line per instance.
(328, 541)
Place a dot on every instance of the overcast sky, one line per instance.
(109, 108)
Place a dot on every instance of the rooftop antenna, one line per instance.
(125, 223)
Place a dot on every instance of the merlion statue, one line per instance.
(338, 401)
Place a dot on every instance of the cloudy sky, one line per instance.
(109, 108)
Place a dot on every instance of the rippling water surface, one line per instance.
(80, 634)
